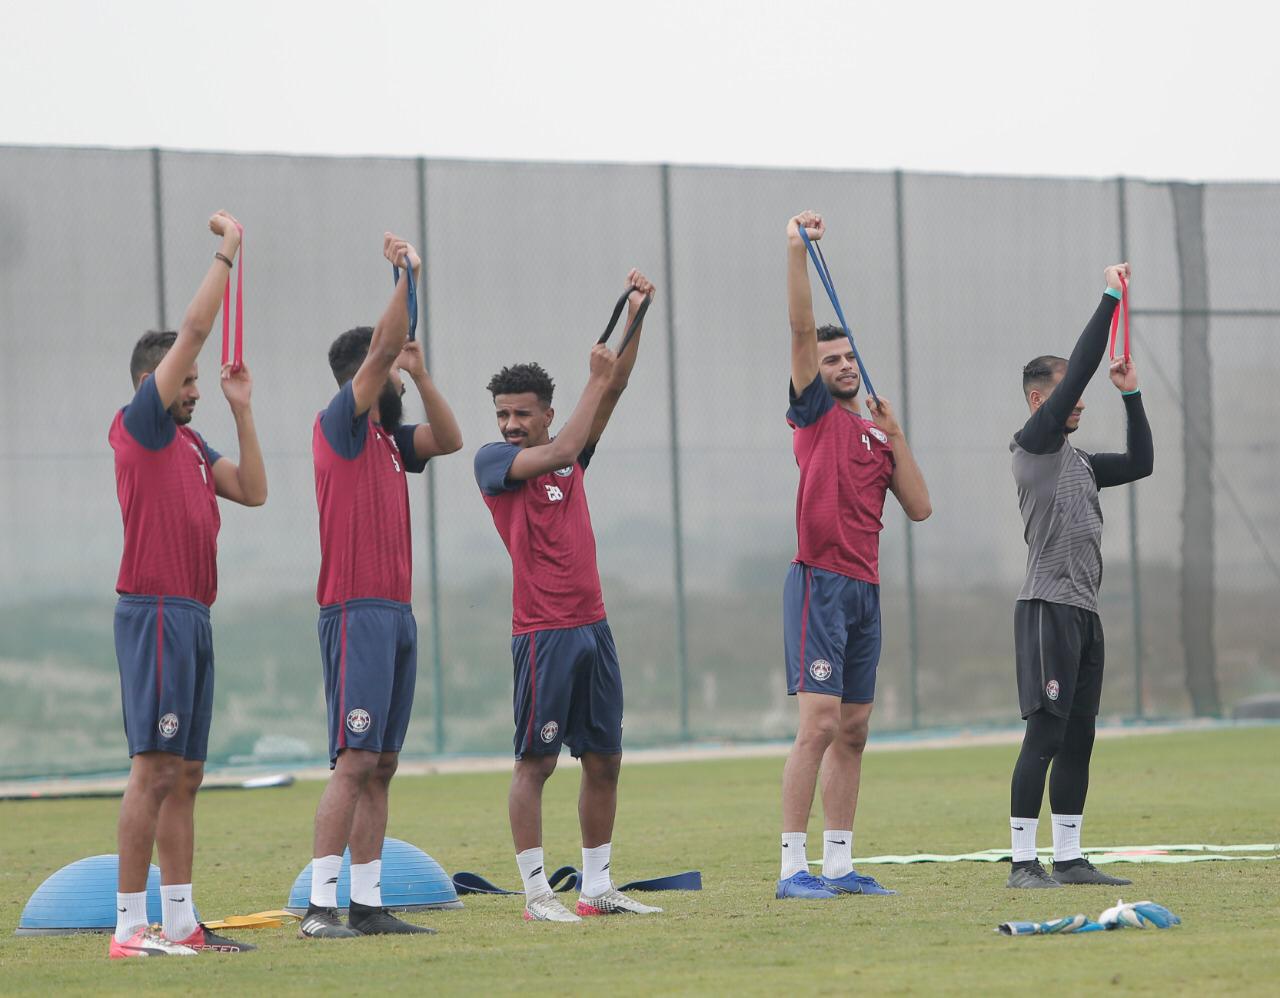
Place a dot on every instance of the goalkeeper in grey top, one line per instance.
(1057, 633)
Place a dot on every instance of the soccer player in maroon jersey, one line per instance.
(831, 602)
(168, 481)
(568, 685)
(368, 637)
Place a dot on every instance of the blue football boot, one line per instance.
(855, 883)
(804, 885)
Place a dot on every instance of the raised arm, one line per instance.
(245, 481)
(1046, 426)
(572, 439)
(392, 330)
(804, 330)
(1139, 456)
(198, 320)
(626, 360)
(440, 434)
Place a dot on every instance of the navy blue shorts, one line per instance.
(370, 651)
(831, 628)
(568, 689)
(164, 646)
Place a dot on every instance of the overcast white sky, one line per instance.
(1076, 87)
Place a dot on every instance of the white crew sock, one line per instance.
(1066, 837)
(366, 883)
(533, 872)
(131, 914)
(837, 854)
(179, 911)
(595, 870)
(1024, 838)
(794, 859)
(324, 881)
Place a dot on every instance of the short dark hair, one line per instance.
(1039, 373)
(348, 352)
(828, 333)
(520, 378)
(149, 351)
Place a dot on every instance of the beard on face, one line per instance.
(390, 407)
(180, 413)
(844, 394)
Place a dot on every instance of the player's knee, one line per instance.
(189, 778)
(535, 768)
(854, 735)
(1078, 740)
(602, 768)
(1044, 737)
(156, 774)
(356, 765)
(819, 729)
(388, 763)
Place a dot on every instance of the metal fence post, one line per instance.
(913, 643)
(1196, 394)
(157, 221)
(1135, 569)
(677, 519)
(433, 557)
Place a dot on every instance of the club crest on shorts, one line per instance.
(878, 433)
(549, 731)
(1051, 689)
(358, 721)
(168, 725)
(566, 472)
(820, 669)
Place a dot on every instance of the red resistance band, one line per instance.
(237, 361)
(1115, 320)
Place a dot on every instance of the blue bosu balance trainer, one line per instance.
(81, 897)
(411, 881)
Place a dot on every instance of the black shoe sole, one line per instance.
(411, 930)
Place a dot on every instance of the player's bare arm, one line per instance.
(1138, 460)
(572, 438)
(907, 483)
(174, 369)
(440, 434)
(804, 330)
(391, 331)
(641, 286)
(245, 482)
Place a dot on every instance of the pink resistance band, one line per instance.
(1115, 320)
(237, 361)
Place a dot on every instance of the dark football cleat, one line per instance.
(370, 921)
(1081, 871)
(1031, 875)
(324, 923)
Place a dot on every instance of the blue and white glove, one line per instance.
(1072, 923)
(1138, 915)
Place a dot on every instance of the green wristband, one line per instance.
(1115, 293)
(1134, 392)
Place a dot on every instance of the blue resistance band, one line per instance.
(413, 296)
(824, 274)
(568, 878)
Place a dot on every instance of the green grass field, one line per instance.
(733, 937)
